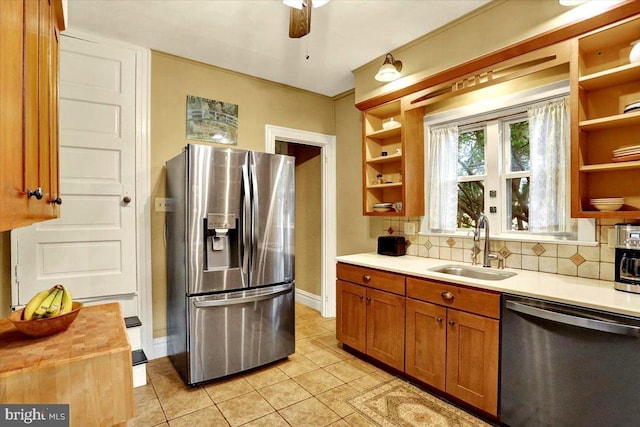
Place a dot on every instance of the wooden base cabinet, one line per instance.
(370, 316)
(454, 350)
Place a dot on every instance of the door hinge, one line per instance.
(15, 274)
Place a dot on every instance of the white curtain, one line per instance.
(442, 163)
(549, 201)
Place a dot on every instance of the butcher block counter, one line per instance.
(88, 366)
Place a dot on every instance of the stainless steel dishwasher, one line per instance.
(568, 366)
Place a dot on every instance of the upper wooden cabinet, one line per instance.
(29, 57)
(603, 82)
(389, 175)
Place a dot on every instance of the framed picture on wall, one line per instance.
(212, 121)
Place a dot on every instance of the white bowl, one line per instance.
(390, 124)
(607, 207)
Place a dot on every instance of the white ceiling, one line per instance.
(251, 37)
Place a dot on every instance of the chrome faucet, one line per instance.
(488, 256)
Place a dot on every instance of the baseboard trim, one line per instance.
(310, 300)
(160, 347)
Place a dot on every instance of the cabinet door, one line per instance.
(385, 327)
(472, 359)
(351, 315)
(426, 342)
(13, 204)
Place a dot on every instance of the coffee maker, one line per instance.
(627, 276)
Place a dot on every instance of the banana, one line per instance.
(54, 308)
(67, 301)
(44, 306)
(33, 304)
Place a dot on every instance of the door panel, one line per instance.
(91, 248)
(236, 331)
(214, 214)
(472, 359)
(426, 346)
(351, 315)
(385, 327)
(272, 189)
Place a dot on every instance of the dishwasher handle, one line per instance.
(261, 296)
(582, 322)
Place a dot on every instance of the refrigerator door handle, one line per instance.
(567, 319)
(254, 205)
(265, 294)
(246, 221)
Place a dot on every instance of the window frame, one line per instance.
(498, 111)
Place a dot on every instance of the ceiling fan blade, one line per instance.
(300, 21)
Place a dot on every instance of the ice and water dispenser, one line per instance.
(221, 241)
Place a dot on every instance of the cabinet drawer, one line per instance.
(485, 303)
(377, 279)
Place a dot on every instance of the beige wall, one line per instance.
(308, 218)
(355, 232)
(492, 27)
(260, 102)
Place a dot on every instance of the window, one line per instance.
(471, 174)
(511, 164)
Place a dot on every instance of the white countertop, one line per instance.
(598, 294)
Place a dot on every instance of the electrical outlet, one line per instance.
(409, 229)
(162, 205)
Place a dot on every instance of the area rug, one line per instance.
(397, 403)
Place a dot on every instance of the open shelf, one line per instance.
(603, 82)
(603, 167)
(385, 159)
(607, 78)
(619, 120)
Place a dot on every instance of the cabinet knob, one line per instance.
(360, 296)
(368, 300)
(126, 199)
(37, 193)
(447, 295)
(56, 201)
(439, 319)
(366, 278)
(451, 322)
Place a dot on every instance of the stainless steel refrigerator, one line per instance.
(230, 261)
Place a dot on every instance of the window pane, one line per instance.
(471, 153)
(518, 206)
(470, 203)
(519, 137)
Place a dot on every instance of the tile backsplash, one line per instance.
(593, 262)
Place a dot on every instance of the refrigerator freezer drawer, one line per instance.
(237, 331)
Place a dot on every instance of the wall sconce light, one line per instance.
(571, 3)
(390, 69)
(299, 4)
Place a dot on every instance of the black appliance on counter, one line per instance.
(627, 275)
(392, 245)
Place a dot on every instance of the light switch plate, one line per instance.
(409, 229)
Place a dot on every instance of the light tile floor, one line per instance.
(309, 389)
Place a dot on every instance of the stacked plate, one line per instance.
(608, 204)
(628, 153)
(382, 207)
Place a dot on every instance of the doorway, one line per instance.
(315, 154)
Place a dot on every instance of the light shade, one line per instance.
(298, 4)
(571, 2)
(390, 69)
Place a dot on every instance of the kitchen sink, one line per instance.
(473, 272)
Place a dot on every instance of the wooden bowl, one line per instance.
(44, 327)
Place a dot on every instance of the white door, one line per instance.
(91, 248)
